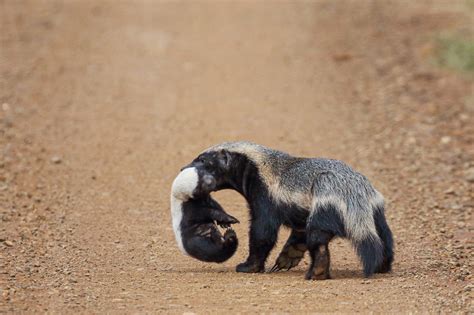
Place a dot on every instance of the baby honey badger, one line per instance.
(317, 198)
(194, 216)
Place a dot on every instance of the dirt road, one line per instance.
(103, 102)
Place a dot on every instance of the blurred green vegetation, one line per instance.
(455, 52)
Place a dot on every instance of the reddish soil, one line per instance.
(102, 103)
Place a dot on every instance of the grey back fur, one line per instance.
(313, 183)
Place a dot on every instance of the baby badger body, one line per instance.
(194, 216)
(319, 199)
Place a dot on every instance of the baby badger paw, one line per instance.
(225, 221)
(289, 257)
(230, 235)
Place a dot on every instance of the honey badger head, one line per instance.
(213, 169)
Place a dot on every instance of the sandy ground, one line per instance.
(103, 102)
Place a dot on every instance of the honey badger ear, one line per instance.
(224, 158)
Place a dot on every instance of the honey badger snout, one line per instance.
(208, 183)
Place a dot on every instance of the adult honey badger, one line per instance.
(318, 199)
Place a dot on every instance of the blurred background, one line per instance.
(103, 101)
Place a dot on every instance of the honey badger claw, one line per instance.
(289, 257)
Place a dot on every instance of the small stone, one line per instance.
(464, 117)
(411, 140)
(8, 243)
(56, 159)
(449, 191)
(469, 175)
(445, 140)
(341, 57)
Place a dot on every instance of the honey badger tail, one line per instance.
(385, 235)
(370, 251)
(376, 250)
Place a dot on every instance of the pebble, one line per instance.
(8, 243)
(411, 140)
(56, 159)
(449, 191)
(463, 117)
(445, 140)
(469, 175)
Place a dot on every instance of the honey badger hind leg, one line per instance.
(292, 253)
(323, 224)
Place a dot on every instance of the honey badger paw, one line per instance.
(289, 257)
(247, 267)
(317, 275)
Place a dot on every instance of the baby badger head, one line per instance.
(192, 182)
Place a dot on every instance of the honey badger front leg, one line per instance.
(263, 236)
(293, 251)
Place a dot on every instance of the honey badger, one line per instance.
(194, 214)
(319, 199)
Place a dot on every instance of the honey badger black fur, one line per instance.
(195, 214)
(319, 199)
